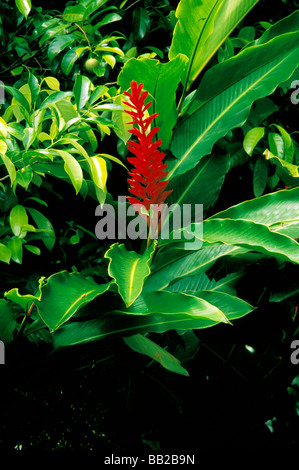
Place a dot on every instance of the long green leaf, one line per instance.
(24, 7)
(18, 218)
(42, 222)
(201, 29)
(201, 184)
(271, 209)
(233, 307)
(189, 265)
(63, 294)
(226, 94)
(129, 270)
(155, 312)
(8, 321)
(143, 345)
(81, 90)
(252, 236)
(72, 168)
(203, 282)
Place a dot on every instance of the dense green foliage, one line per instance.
(223, 89)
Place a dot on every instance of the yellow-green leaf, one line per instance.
(98, 171)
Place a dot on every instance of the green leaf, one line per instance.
(8, 322)
(141, 22)
(110, 18)
(68, 60)
(271, 209)
(5, 253)
(288, 144)
(55, 98)
(72, 168)
(188, 265)
(105, 49)
(233, 307)
(67, 112)
(29, 137)
(33, 249)
(52, 83)
(98, 92)
(226, 94)
(144, 345)
(121, 120)
(276, 144)
(252, 138)
(3, 128)
(161, 81)
(24, 301)
(114, 159)
(108, 107)
(74, 13)
(92, 6)
(11, 169)
(289, 168)
(110, 59)
(43, 223)
(19, 97)
(156, 312)
(81, 90)
(177, 303)
(18, 218)
(286, 25)
(24, 7)
(129, 270)
(101, 194)
(63, 294)
(252, 236)
(52, 30)
(16, 248)
(202, 184)
(34, 87)
(201, 29)
(260, 176)
(98, 171)
(202, 282)
(58, 45)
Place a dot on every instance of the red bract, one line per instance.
(146, 179)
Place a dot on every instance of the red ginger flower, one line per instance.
(146, 182)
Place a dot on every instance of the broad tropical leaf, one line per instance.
(233, 307)
(272, 209)
(189, 265)
(155, 312)
(129, 270)
(225, 96)
(8, 321)
(252, 236)
(161, 81)
(202, 184)
(63, 294)
(201, 29)
(202, 282)
(143, 345)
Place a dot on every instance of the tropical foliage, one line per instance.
(215, 86)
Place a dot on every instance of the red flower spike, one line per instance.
(146, 179)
